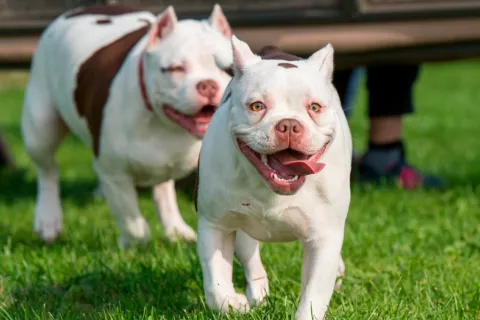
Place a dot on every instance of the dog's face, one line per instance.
(283, 115)
(186, 68)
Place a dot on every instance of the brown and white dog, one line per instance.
(138, 89)
(275, 167)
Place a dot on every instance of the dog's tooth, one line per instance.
(276, 177)
(265, 159)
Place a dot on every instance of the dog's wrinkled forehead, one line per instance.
(279, 75)
(280, 60)
(275, 84)
(194, 41)
(190, 42)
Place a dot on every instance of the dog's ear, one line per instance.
(323, 60)
(164, 25)
(242, 56)
(218, 21)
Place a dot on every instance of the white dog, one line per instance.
(138, 89)
(274, 166)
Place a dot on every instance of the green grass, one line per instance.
(409, 255)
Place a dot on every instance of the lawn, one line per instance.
(409, 255)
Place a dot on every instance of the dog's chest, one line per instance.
(162, 160)
(272, 224)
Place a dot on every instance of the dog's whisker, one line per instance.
(349, 108)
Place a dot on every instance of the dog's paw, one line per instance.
(236, 302)
(48, 222)
(228, 302)
(340, 274)
(257, 291)
(311, 309)
(239, 303)
(181, 231)
(135, 233)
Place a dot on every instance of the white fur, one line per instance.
(137, 146)
(235, 203)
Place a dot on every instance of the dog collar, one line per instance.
(141, 81)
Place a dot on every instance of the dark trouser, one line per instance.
(390, 88)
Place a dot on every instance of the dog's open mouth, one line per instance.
(196, 124)
(285, 170)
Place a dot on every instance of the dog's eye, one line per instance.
(173, 69)
(257, 106)
(315, 107)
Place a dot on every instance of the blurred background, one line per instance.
(409, 255)
(362, 31)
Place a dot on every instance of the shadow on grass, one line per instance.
(23, 237)
(17, 186)
(170, 291)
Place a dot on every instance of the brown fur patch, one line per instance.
(104, 21)
(95, 77)
(287, 65)
(268, 50)
(274, 53)
(104, 9)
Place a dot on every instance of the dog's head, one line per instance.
(186, 68)
(282, 114)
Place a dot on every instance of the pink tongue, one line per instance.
(304, 167)
(292, 164)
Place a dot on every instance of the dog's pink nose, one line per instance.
(207, 88)
(289, 127)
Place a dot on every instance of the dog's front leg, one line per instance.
(122, 199)
(215, 249)
(165, 198)
(319, 270)
(248, 252)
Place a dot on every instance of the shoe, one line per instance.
(396, 172)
